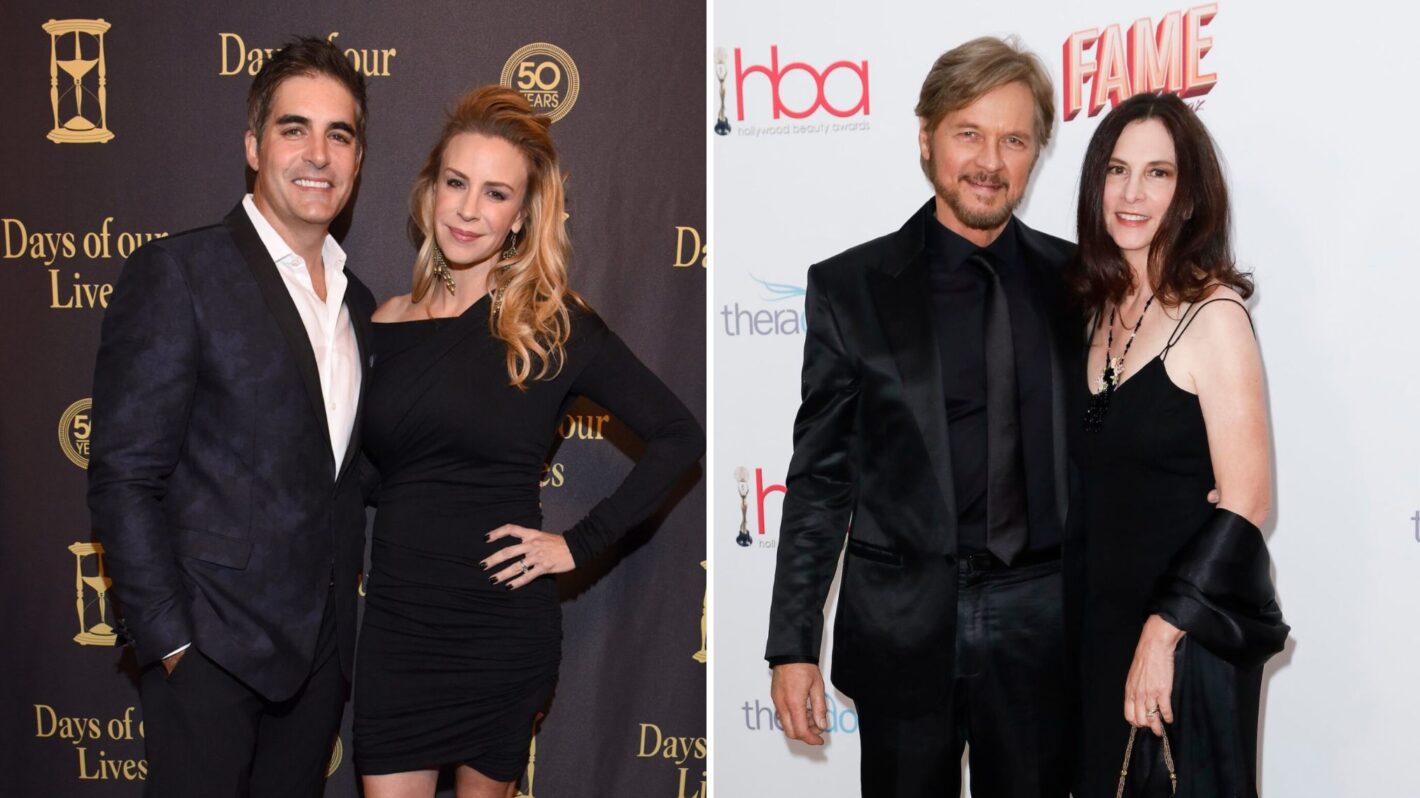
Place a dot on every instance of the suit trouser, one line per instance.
(1010, 700)
(208, 734)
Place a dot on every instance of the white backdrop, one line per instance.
(1313, 111)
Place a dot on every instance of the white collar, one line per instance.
(332, 256)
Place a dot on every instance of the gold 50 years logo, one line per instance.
(546, 75)
(74, 431)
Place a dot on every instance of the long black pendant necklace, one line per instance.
(1113, 372)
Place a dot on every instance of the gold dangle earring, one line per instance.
(508, 253)
(441, 269)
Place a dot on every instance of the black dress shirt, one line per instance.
(958, 292)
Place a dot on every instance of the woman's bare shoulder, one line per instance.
(396, 308)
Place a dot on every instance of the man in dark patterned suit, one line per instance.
(224, 480)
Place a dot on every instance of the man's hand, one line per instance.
(171, 661)
(796, 688)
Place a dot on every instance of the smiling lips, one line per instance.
(305, 182)
(462, 236)
(984, 182)
(1131, 219)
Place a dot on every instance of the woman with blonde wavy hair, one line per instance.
(461, 639)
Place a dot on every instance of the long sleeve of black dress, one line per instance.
(614, 378)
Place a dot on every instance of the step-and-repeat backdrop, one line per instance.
(818, 152)
(123, 122)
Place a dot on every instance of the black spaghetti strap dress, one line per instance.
(452, 669)
(1146, 475)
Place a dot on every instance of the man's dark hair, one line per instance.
(308, 56)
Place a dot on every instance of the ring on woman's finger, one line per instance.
(526, 566)
(1153, 713)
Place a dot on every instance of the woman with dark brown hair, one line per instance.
(1179, 613)
(462, 634)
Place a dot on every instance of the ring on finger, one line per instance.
(526, 566)
(1153, 713)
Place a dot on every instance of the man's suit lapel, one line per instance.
(902, 297)
(283, 310)
(1047, 278)
(360, 315)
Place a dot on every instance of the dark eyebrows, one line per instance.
(297, 119)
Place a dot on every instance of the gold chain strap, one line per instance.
(1129, 753)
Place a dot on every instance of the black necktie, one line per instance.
(1005, 472)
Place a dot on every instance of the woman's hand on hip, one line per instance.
(542, 553)
(1148, 691)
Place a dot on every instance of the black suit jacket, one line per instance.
(871, 461)
(211, 481)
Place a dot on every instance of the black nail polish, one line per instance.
(509, 586)
(493, 579)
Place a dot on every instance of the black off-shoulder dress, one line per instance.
(452, 669)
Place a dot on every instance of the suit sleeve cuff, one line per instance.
(177, 650)
(789, 659)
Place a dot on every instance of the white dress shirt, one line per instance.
(327, 325)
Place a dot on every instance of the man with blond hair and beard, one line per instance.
(938, 365)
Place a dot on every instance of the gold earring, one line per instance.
(512, 250)
(441, 269)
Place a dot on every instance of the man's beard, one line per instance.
(952, 195)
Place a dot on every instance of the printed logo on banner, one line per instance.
(336, 754)
(654, 743)
(583, 427)
(689, 248)
(74, 431)
(762, 717)
(837, 95)
(526, 790)
(76, 49)
(238, 59)
(554, 475)
(761, 491)
(759, 321)
(91, 585)
(546, 75)
(702, 655)
(1166, 57)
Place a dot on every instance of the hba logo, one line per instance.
(809, 89)
(1165, 57)
(761, 491)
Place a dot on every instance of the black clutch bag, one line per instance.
(1138, 788)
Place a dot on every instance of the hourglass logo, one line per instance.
(91, 603)
(76, 48)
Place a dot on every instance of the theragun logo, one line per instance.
(74, 432)
(76, 48)
(1165, 57)
(546, 75)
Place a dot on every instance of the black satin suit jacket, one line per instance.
(871, 461)
(211, 482)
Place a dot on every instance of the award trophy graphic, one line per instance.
(79, 129)
(742, 477)
(100, 633)
(702, 655)
(722, 124)
(532, 759)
